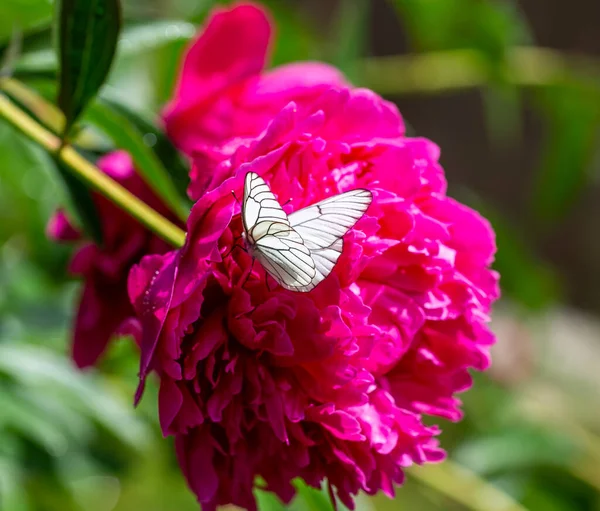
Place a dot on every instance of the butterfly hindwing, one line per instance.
(322, 227)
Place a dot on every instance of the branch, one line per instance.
(90, 174)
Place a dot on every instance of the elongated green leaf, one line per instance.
(24, 15)
(9, 56)
(87, 34)
(310, 499)
(352, 32)
(516, 448)
(42, 371)
(127, 136)
(156, 139)
(30, 423)
(269, 502)
(573, 122)
(526, 278)
(82, 202)
(13, 496)
(463, 486)
(298, 37)
(133, 41)
(489, 27)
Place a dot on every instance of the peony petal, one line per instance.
(60, 229)
(151, 285)
(233, 47)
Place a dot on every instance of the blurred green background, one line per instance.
(509, 90)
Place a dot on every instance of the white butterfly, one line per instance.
(301, 249)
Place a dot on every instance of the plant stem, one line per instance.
(463, 486)
(47, 114)
(92, 176)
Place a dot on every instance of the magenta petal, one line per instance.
(60, 229)
(297, 80)
(195, 453)
(151, 285)
(169, 403)
(102, 309)
(233, 47)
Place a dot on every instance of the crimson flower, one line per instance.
(104, 307)
(328, 385)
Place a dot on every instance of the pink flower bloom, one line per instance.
(223, 93)
(104, 306)
(327, 385)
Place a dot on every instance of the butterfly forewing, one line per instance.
(271, 239)
(260, 203)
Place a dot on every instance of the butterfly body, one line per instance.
(301, 249)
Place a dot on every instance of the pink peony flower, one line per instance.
(223, 93)
(329, 385)
(104, 306)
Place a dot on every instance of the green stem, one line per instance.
(463, 486)
(92, 176)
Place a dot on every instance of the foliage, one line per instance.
(73, 441)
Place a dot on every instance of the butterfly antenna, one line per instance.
(288, 201)
(234, 246)
(235, 197)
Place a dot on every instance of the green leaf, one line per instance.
(489, 27)
(134, 40)
(88, 31)
(298, 38)
(352, 29)
(127, 136)
(13, 496)
(30, 423)
(10, 54)
(157, 140)
(82, 203)
(526, 278)
(540, 496)
(42, 371)
(310, 499)
(516, 448)
(572, 123)
(24, 15)
(502, 109)
(267, 501)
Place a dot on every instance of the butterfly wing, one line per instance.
(271, 239)
(322, 227)
(260, 204)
